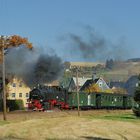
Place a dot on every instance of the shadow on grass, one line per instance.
(122, 117)
(12, 138)
(95, 138)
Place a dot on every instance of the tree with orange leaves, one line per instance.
(13, 41)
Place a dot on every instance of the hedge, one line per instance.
(13, 105)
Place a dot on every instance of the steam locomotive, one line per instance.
(46, 98)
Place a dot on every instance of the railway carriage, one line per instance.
(100, 101)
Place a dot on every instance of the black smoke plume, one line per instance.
(93, 45)
(33, 67)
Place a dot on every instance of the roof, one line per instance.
(130, 84)
(86, 64)
(81, 80)
(89, 82)
(118, 84)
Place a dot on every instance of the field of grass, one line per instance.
(66, 125)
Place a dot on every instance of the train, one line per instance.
(47, 98)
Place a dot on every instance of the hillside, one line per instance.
(121, 70)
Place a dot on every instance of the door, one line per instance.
(98, 100)
(89, 99)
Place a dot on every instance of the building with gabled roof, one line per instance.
(96, 85)
(73, 85)
(131, 84)
(17, 90)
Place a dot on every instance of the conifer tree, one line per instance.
(136, 108)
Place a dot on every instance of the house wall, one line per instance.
(72, 86)
(102, 84)
(18, 90)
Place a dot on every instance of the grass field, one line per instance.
(66, 125)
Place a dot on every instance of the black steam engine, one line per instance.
(45, 97)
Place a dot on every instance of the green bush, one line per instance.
(13, 105)
(136, 108)
(136, 111)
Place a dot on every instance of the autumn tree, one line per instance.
(92, 88)
(13, 41)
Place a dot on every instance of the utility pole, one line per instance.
(77, 92)
(3, 77)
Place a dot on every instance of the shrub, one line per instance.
(15, 105)
(136, 108)
(12, 105)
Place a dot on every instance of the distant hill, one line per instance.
(134, 60)
(121, 70)
(85, 64)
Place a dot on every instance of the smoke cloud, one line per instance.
(33, 67)
(94, 45)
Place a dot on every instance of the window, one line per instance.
(14, 85)
(112, 99)
(13, 95)
(119, 99)
(20, 94)
(20, 84)
(100, 84)
(27, 95)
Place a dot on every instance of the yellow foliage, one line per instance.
(92, 88)
(96, 88)
(108, 91)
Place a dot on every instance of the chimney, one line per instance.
(94, 76)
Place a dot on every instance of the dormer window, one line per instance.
(100, 84)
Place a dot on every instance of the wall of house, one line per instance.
(18, 90)
(102, 84)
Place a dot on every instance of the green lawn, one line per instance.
(120, 117)
(3, 122)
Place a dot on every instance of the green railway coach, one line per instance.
(100, 100)
(111, 100)
(85, 100)
(127, 102)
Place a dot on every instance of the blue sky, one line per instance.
(44, 22)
